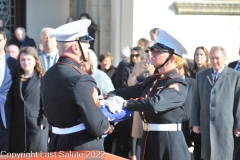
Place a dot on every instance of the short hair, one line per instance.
(125, 54)
(45, 28)
(218, 48)
(32, 51)
(145, 42)
(2, 32)
(20, 28)
(153, 30)
(104, 55)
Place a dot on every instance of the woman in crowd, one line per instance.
(201, 60)
(143, 43)
(137, 55)
(106, 66)
(70, 19)
(29, 127)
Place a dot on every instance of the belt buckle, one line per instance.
(145, 127)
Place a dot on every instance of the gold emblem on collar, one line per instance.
(162, 75)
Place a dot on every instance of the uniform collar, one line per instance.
(171, 73)
(69, 61)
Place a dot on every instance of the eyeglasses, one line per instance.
(134, 55)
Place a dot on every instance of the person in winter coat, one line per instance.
(29, 127)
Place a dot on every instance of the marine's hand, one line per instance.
(237, 132)
(116, 99)
(112, 105)
(196, 129)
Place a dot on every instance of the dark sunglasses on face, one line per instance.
(134, 55)
(147, 50)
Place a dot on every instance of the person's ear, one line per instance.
(74, 48)
(172, 59)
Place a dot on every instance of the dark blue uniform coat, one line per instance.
(159, 104)
(68, 99)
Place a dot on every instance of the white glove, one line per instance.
(117, 99)
(112, 106)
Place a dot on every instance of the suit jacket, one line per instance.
(216, 109)
(28, 115)
(26, 42)
(43, 59)
(233, 64)
(6, 91)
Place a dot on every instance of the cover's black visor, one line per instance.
(86, 38)
(162, 47)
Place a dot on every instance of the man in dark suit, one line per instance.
(21, 39)
(7, 71)
(49, 55)
(235, 64)
(216, 107)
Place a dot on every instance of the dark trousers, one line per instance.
(4, 138)
(197, 146)
(108, 142)
(123, 145)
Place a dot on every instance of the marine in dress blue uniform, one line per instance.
(70, 96)
(159, 99)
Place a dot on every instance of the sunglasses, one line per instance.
(147, 50)
(135, 55)
(158, 51)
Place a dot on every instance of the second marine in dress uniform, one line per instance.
(70, 96)
(159, 99)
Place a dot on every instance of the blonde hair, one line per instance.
(182, 63)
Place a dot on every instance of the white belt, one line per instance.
(162, 127)
(73, 129)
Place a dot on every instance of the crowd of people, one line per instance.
(177, 103)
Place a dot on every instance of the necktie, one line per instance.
(238, 67)
(48, 62)
(216, 77)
